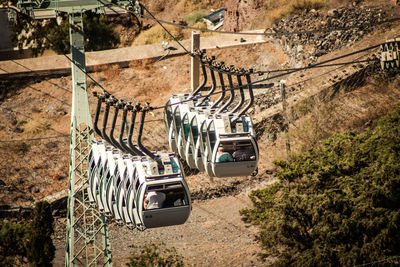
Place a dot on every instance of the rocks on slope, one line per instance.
(317, 33)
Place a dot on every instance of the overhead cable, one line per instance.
(286, 72)
(313, 66)
(320, 64)
(258, 72)
(173, 37)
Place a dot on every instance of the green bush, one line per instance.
(337, 205)
(28, 240)
(194, 17)
(59, 37)
(12, 242)
(98, 34)
(151, 255)
(40, 248)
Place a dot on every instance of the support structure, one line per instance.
(390, 54)
(87, 242)
(195, 63)
(87, 238)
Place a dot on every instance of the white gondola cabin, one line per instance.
(165, 189)
(176, 107)
(220, 134)
(121, 182)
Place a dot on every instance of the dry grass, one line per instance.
(194, 17)
(157, 34)
(276, 10)
(36, 127)
(192, 5)
(187, 34)
(260, 21)
(144, 64)
(354, 111)
(292, 7)
(307, 132)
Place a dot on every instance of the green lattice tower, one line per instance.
(87, 238)
(87, 242)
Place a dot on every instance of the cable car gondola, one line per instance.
(199, 131)
(125, 184)
(179, 104)
(234, 137)
(122, 192)
(169, 184)
(390, 54)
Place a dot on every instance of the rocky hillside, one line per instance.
(311, 34)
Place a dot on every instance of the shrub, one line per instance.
(10, 150)
(36, 126)
(298, 6)
(150, 255)
(12, 242)
(59, 37)
(31, 240)
(194, 17)
(337, 205)
(98, 34)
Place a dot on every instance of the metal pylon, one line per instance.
(87, 237)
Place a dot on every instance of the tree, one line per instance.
(39, 35)
(40, 248)
(337, 205)
(98, 34)
(19, 241)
